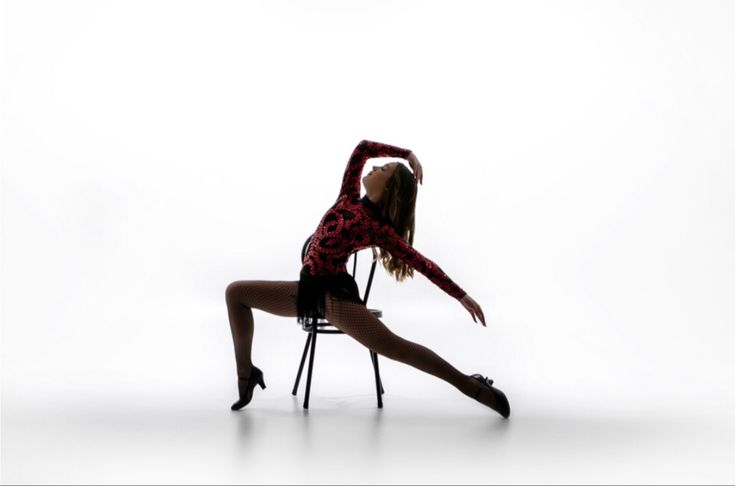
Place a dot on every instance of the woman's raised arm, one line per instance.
(365, 150)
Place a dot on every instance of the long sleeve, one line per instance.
(398, 247)
(365, 150)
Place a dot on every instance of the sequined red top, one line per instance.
(354, 223)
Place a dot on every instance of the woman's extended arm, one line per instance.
(398, 247)
(365, 150)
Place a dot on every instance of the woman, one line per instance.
(383, 217)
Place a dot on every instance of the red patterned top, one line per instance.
(354, 223)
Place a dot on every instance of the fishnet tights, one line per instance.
(273, 296)
(354, 319)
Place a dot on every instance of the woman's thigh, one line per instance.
(355, 320)
(273, 296)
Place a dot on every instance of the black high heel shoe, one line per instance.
(256, 378)
(501, 401)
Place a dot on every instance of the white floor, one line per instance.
(431, 434)
(146, 400)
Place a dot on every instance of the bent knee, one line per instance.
(234, 290)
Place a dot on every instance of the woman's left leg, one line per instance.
(276, 297)
(357, 321)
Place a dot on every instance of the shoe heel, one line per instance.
(261, 382)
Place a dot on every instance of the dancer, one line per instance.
(383, 217)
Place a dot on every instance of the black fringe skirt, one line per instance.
(312, 291)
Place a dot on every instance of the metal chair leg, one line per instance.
(311, 366)
(379, 378)
(378, 385)
(374, 355)
(301, 366)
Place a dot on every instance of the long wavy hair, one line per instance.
(398, 207)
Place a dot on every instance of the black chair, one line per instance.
(323, 326)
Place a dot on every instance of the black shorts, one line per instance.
(312, 291)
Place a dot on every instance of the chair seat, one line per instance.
(322, 323)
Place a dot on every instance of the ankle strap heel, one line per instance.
(501, 401)
(255, 378)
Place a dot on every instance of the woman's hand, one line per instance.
(474, 308)
(418, 171)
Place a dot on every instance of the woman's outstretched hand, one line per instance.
(418, 171)
(474, 308)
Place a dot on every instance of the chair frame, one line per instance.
(323, 326)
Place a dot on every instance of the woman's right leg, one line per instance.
(357, 321)
(273, 296)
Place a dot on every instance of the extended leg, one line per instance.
(357, 321)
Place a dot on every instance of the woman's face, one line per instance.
(377, 178)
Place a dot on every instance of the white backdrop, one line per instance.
(579, 183)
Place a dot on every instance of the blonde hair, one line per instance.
(398, 207)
